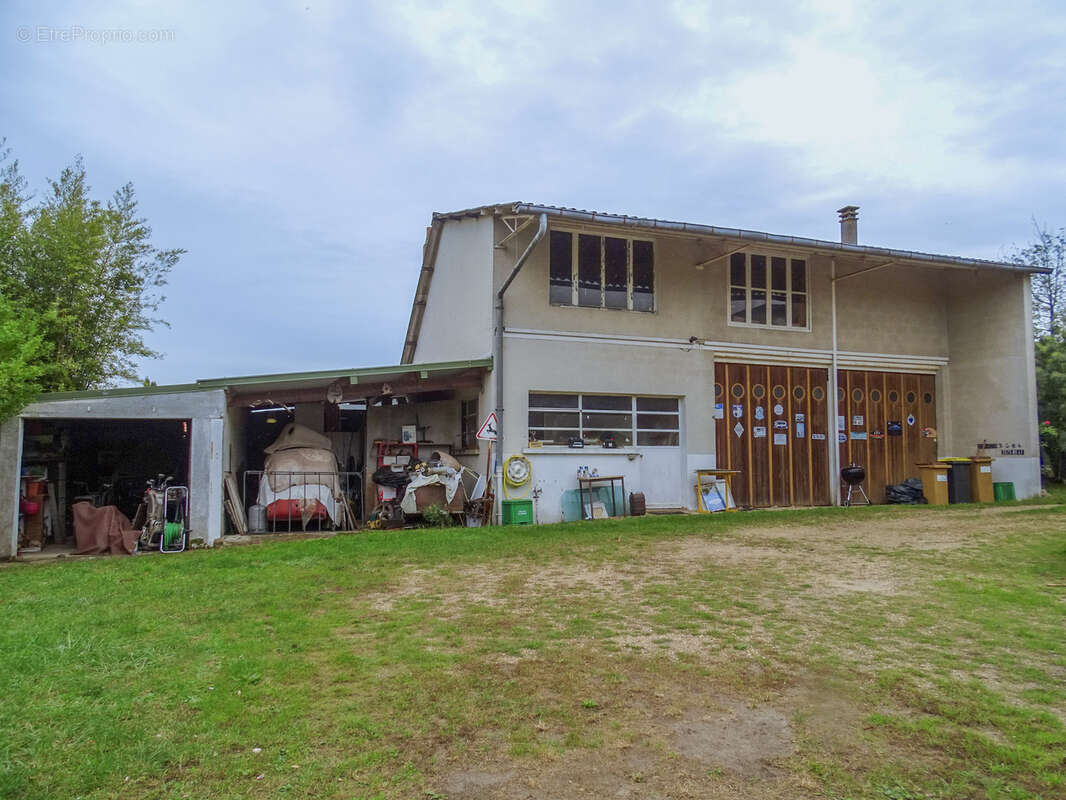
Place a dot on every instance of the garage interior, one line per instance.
(103, 461)
(362, 415)
(255, 424)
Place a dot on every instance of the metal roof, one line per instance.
(332, 375)
(124, 391)
(275, 379)
(697, 229)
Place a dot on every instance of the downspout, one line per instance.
(834, 418)
(834, 401)
(497, 351)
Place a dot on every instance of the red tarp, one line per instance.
(103, 530)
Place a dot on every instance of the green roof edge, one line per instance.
(123, 391)
(210, 384)
(391, 369)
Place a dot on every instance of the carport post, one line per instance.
(205, 479)
(10, 473)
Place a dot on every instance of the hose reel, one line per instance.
(517, 472)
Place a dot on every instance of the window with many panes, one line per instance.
(468, 424)
(768, 291)
(601, 271)
(555, 419)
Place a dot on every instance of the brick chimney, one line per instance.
(849, 224)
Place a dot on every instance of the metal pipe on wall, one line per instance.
(834, 401)
(497, 348)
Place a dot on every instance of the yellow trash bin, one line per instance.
(935, 483)
(981, 480)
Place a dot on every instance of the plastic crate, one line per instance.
(1003, 490)
(517, 512)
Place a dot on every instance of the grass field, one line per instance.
(863, 653)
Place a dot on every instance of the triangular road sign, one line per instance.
(487, 431)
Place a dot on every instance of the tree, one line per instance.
(23, 355)
(1051, 399)
(1049, 290)
(87, 271)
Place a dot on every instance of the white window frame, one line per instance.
(574, 271)
(768, 325)
(580, 410)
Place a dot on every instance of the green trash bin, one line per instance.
(517, 512)
(1003, 490)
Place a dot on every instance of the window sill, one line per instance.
(775, 328)
(562, 450)
(602, 308)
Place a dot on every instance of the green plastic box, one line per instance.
(517, 512)
(1003, 491)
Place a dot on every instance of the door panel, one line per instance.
(759, 441)
(821, 437)
(782, 449)
(887, 402)
(876, 468)
(799, 436)
(779, 435)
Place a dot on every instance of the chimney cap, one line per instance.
(848, 212)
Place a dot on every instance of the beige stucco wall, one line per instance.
(991, 377)
(457, 323)
(897, 310)
(536, 365)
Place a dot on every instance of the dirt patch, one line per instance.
(747, 742)
(729, 752)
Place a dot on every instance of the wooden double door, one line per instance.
(886, 423)
(773, 425)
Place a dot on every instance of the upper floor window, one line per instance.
(601, 271)
(768, 291)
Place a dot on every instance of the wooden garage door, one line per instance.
(773, 429)
(887, 424)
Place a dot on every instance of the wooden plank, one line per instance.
(843, 447)
(780, 463)
(235, 505)
(762, 491)
(856, 422)
(734, 381)
(912, 432)
(747, 420)
(894, 450)
(927, 416)
(875, 446)
(820, 435)
(236, 517)
(721, 428)
(800, 456)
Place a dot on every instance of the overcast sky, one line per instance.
(297, 150)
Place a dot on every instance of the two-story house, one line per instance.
(666, 347)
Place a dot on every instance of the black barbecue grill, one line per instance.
(853, 475)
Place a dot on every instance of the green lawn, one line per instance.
(900, 653)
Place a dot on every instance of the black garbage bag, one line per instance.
(907, 493)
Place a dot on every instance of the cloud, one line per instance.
(297, 150)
